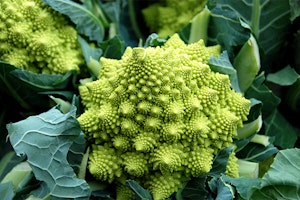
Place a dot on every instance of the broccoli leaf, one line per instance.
(244, 186)
(44, 81)
(29, 89)
(256, 152)
(10, 85)
(284, 77)
(282, 181)
(220, 188)
(86, 22)
(285, 134)
(269, 21)
(261, 92)
(224, 18)
(46, 140)
(113, 48)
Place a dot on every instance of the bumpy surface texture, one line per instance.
(34, 37)
(166, 17)
(159, 115)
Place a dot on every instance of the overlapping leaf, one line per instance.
(46, 140)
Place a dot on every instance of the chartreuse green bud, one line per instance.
(20, 175)
(247, 63)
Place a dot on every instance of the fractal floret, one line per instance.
(166, 17)
(159, 115)
(37, 38)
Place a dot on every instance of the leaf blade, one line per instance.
(46, 139)
(86, 22)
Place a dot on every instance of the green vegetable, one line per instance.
(159, 115)
(167, 17)
(247, 63)
(37, 38)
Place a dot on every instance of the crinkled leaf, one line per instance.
(284, 133)
(282, 181)
(140, 192)
(46, 140)
(7, 191)
(86, 22)
(42, 191)
(221, 189)
(223, 65)
(244, 186)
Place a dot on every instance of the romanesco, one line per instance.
(37, 38)
(159, 115)
(167, 17)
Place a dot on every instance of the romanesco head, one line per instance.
(161, 113)
(167, 17)
(34, 37)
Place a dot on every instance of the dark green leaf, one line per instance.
(269, 22)
(28, 89)
(44, 81)
(11, 86)
(295, 9)
(256, 152)
(284, 77)
(293, 96)
(46, 140)
(113, 48)
(141, 193)
(284, 133)
(195, 189)
(86, 23)
(225, 27)
(255, 109)
(220, 161)
(261, 92)
(7, 191)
